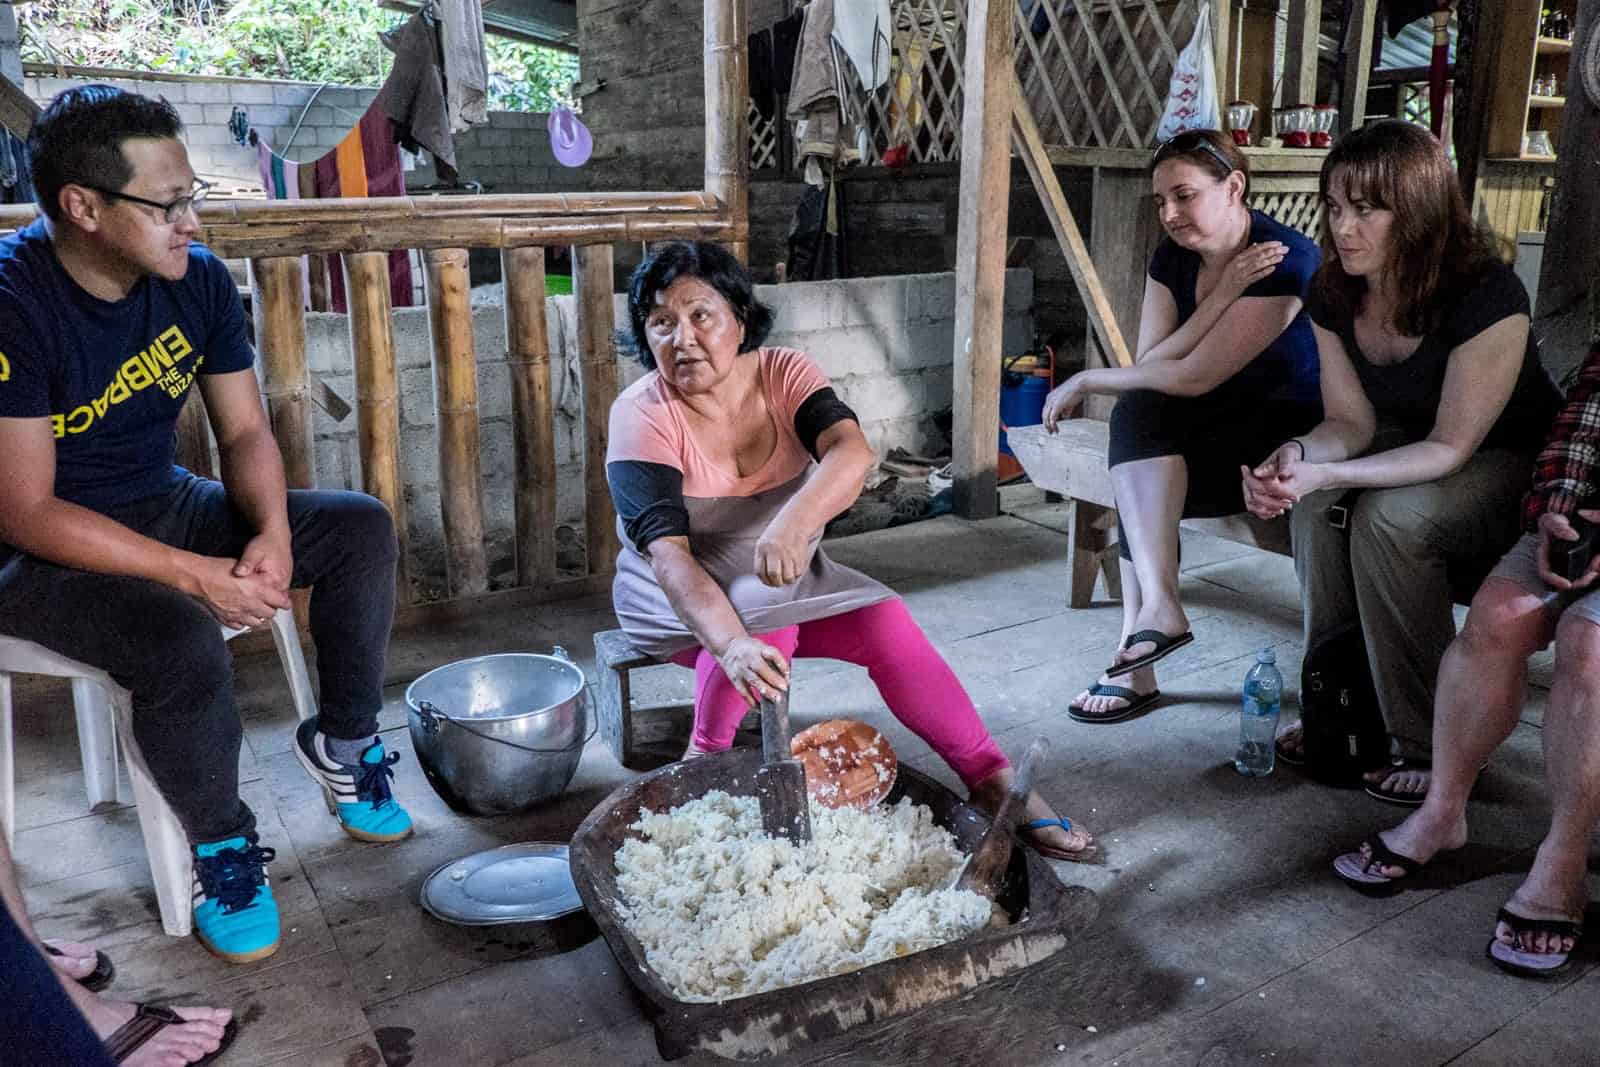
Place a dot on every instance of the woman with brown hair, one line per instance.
(1226, 369)
(1435, 404)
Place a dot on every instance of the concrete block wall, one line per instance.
(886, 343)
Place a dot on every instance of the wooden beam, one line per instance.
(532, 414)
(17, 109)
(1029, 145)
(378, 395)
(455, 390)
(727, 88)
(981, 255)
(592, 268)
(1227, 57)
(1300, 59)
(1360, 26)
(1476, 51)
(1568, 316)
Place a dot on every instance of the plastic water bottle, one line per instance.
(1258, 716)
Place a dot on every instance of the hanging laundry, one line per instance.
(863, 30)
(785, 42)
(284, 179)
(366, 163)
(466, 70)
(763, 89)
(413, 95)
(816, 97)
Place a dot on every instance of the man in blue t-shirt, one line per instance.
(114, 556)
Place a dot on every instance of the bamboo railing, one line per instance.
(274, 235)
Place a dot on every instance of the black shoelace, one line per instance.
(374, 780)
(233, 875)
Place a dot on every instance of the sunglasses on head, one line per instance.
(1192, 141)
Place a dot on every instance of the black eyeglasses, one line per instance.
(172, 210)
(1192, 141)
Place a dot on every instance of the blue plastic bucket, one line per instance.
(1021, 404)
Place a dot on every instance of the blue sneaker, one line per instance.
(234, 913)
(358, 794)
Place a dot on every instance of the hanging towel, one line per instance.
(366, 163)
(284, 179)
(466, 71)
(863, 29)
(413, 94)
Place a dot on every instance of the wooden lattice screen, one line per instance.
(764, 135)
(1300, 209)
(1095, 72)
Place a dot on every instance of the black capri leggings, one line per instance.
(1213, 434)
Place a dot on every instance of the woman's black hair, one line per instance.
(710, 263)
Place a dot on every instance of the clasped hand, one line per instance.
(1279, 482)
(1553, 527)
(246, 592)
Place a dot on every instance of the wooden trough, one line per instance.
(1046, 915)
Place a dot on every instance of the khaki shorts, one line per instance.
(1521, 565)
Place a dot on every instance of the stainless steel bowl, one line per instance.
(500, 734)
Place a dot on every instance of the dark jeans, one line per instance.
(38, 1024)
(167, 650)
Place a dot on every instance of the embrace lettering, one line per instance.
(158, 366)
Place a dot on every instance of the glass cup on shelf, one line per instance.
(1538, 143)
(1241, 116)
(1325, 119)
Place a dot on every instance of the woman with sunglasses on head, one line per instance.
(1226, 368)
(1436, 406)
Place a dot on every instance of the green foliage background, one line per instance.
(304, 40)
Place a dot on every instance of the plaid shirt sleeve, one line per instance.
(1565, 471)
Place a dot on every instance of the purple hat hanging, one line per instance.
(570, 139)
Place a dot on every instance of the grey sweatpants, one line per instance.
(1407, 552)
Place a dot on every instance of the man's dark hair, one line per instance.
(78, 138)
(712, 264)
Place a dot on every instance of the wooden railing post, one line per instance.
(455, 378)
(981, 254)
(281, 339)
(597, 354)
(532, 414)
(377, 392)
(194, 438)
(727, 89)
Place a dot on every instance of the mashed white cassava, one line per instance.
(725, 911)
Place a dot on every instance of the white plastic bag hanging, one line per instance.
(1192, 102)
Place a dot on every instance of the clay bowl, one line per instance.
(848, 763)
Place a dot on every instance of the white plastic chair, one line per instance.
(105, 709)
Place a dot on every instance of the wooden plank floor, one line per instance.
(1222, 937)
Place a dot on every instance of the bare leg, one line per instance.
(1150, 494)
(201, 1033)
(1557, 886)
(1140, 681)
(1481, 687)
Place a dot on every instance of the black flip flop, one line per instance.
(1513, 960)
(1356, 870)
(1136, 702)
(1393, 796)
(1166, 644)
(97, 979)
(148, 1021)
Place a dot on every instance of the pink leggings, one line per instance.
(914, 680)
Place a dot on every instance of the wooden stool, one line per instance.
(662, 731)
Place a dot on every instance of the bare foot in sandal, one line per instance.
(199, 1033)
(1056, 841)
(1115, 699)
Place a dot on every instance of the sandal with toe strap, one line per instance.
(148, 1021)
(1029, 834)
(1358, 870)
(1166, 644)
(1514, 959)
(1133, 704)
(97, 979)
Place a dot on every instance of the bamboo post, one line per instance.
(377, 393)
(455, 385)
(1361, 19)
(281, 338)
(597, 354)
(194, 438)
(1300, 59)
(532, 414)
(727, 88)
(981, 255)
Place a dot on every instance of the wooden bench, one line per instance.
(641, 738)
(1072, 462)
